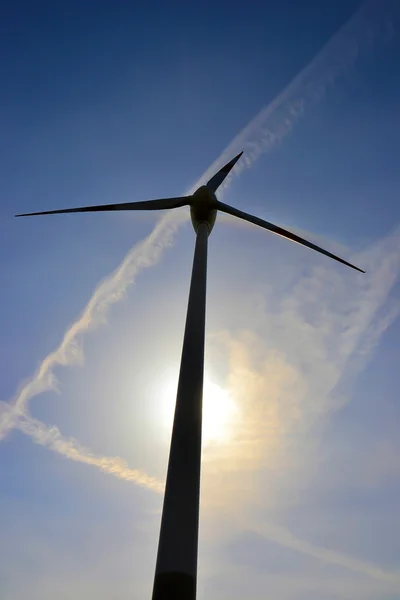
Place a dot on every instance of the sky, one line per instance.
(108, 102)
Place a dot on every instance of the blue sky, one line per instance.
(107, 102)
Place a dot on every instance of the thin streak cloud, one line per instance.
(267, 129)
(374, 21)
(287, 375)
(283, 537)
(112, 289)
(51, 438)
(296, 363)
(309, 86)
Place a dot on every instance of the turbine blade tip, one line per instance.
(234, 160)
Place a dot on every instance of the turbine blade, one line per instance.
(280, 231)
(160, 204)
(215, 181)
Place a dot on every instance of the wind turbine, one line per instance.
(176, 567)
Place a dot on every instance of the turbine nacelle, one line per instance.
(203, 208)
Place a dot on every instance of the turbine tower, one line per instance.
(176, 566)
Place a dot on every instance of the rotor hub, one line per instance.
(203, 208)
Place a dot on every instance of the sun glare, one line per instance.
(219, 411)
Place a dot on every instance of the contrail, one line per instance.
(285, 538)
(338, 56)
(267, 129)
(259, 136)
(284, 390)
(51, 438)
(112, 289)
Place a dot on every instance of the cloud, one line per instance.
(112, 289)
(312, 340)
(287, 374)
(282, 387)
(303, 351)
(259, 136)
(310, 584)
(284, 538)
(374, 22)
(51, 438)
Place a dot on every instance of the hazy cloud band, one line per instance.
(266, 130)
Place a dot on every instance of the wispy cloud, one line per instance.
(284, 538)
(51, 438)
(356, 327)
(374, 22)
(260, 135)
(69, 353)
(287, 372)
(286, 375)
(112, 289)
(310, 583)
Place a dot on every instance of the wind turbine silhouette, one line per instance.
(176, 567)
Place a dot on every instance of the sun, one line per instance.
(219, 411)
